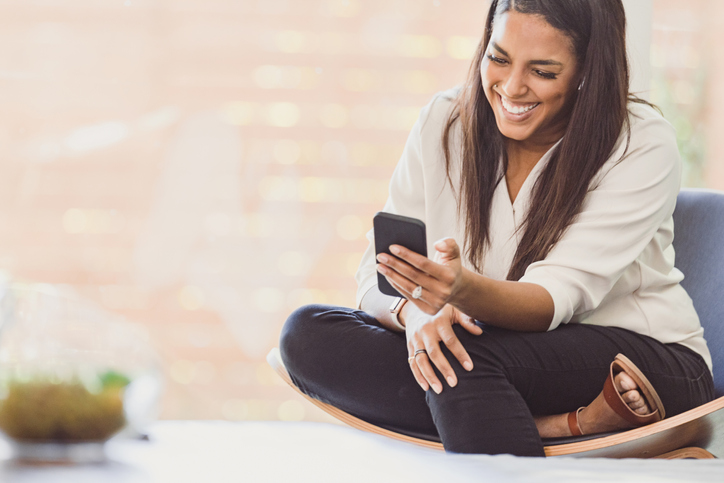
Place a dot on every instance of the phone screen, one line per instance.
(391, 229)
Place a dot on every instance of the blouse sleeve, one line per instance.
(632, 200)
(406, 197)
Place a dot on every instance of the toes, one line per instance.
(630, 394)
(642, 411)
(637, 403)
(623, 382)
(634, 399)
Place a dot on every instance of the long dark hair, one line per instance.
(597, 29)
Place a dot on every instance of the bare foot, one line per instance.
(596, 417)
(630, 394)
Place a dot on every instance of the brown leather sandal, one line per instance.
(613, 400)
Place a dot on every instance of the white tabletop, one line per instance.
(201, 451)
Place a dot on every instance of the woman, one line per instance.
(552, 193)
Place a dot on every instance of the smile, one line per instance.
(517, 110)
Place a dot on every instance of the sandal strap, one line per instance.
(573, 425)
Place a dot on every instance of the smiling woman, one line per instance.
(550, 190)
(530, 89)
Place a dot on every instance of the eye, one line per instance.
(496, 60)
(545, 75)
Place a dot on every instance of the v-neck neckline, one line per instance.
(525, 188)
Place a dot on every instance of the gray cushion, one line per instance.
(698, 237)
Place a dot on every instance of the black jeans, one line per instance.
(345, 358)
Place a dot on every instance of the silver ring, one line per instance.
(417, 293)
(419, 351)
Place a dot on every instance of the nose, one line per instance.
(515, 86)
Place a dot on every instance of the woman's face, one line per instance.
(529, 75)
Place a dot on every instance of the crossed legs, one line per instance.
(345, 358)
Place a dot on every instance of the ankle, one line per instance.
(555, 426)
(586, 424)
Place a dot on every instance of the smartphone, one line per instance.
(390, 229)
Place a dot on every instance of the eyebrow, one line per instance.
(535, 62)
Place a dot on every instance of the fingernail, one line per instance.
(395, 250)
(382, 258)
(452, 382)
(437, 388)
(468, 365)
(381, 269)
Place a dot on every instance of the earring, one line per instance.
(580, 86)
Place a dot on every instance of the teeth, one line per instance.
(516, 110)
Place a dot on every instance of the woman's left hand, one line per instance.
(441, 280)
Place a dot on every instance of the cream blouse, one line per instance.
(614, 265)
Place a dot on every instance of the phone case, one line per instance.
(391, 229)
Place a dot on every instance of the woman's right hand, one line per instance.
(426, 332)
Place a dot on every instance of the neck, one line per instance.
(522, 154)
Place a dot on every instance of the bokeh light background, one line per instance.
(203, 167)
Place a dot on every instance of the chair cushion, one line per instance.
(698, 237)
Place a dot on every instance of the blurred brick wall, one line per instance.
(203, 167)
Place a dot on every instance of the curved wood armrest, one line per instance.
(701, 427)
(274, 359)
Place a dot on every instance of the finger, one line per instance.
(451, 341)
(426, 297)
(423, 363)
(423, 264)
(406, 290)
(421, 381)
(411, 273)
(438, 358)
(422, 303)
(439, 290)
(448, 249)
(437, 279)
(469, 324)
